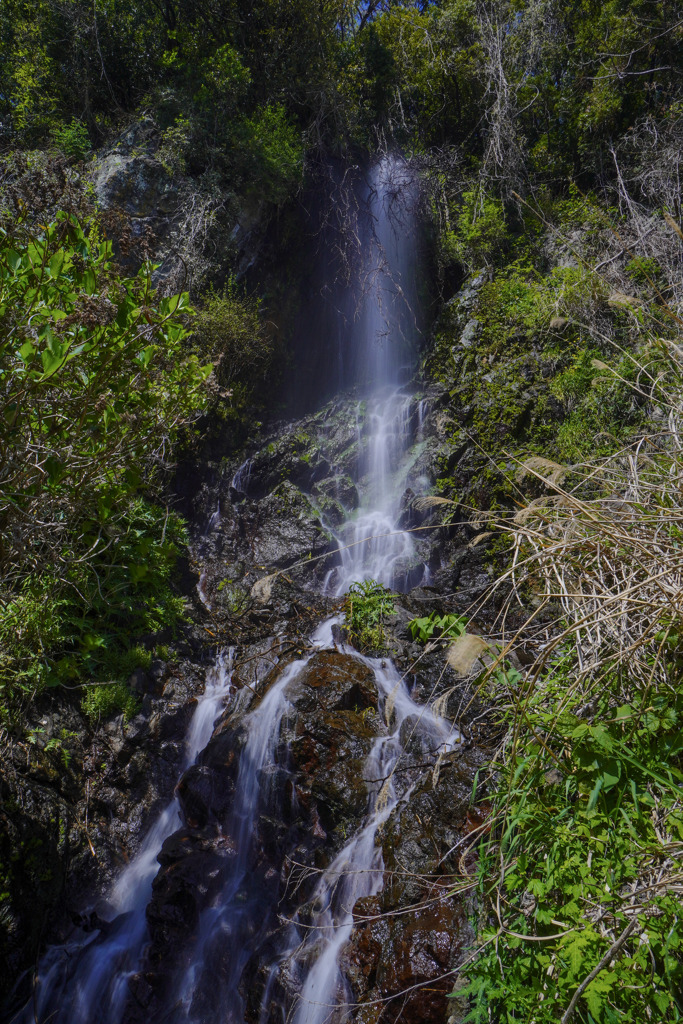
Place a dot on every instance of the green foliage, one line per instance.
(585, 818)
(229, 328)
(365, 608)
(573, 383)
(480, 235)
(566, 80)
(435, 626)
(31, 627)
(644, 270)
(272, 154)
(515, 305)
(97, 380)
(223, 82)
(109, 699)
(579, 873)
(125, 590)
(176, 145)
(539, 373)
(72, 139)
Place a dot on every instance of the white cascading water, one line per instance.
(229, 930)
(229, 923)
(383, 342)
(357, 871)
(371, 545)
(87, 981)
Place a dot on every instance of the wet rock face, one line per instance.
(409, 937)
(287, 529)
(311, 798)
(76, 799)
(335, 724)
(296, 494)
(389, 956)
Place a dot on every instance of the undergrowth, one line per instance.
(580, 870)
(585, 852)
(84, 632)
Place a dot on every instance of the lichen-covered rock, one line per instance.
(137, 183)
(136, 189)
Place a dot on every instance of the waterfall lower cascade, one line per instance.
(268, 933)
(87, 981)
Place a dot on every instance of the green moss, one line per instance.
(234, 599)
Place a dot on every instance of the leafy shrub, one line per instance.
(480, 234)
(271, 154)
(229, 329)
(434, 626)
(125, 590)
(224, 82)
(31, 628)
(175, 145)
(365, 607)
(97, 380)
(72, 139)
(589, 816)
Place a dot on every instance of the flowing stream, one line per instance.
(357, 871)
(86, 981)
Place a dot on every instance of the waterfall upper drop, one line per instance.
(382, 349)
(382, 337)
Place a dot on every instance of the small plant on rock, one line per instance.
(365, 607)
(434, 626)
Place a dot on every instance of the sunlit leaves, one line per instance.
(97, 380)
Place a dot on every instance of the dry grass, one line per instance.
(596, 571)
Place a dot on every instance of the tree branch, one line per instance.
(611, 952)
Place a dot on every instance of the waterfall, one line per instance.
(230, 923)
(357, 871)
(383, 341)
(87, 980)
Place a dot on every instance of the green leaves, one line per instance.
(56, 263)
(97, 380)
(585, 820)
(365, 607)
(437, 626)
(13, 260)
